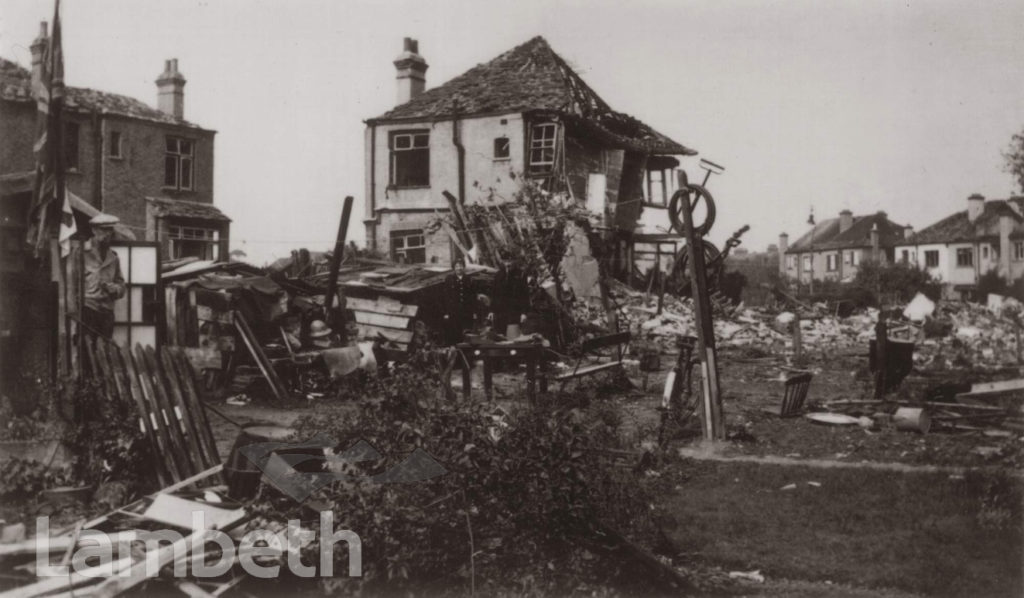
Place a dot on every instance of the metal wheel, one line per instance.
(679, 276)
(690, 197)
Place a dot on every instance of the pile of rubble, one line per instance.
(949, 335)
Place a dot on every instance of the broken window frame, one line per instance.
(964, 257)
(541, 158)
(931, 258)
(502, 148)
(406, 148)
(661, 199)
(179, 163)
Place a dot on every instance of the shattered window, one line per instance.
(501, 148)
(542, 148)
(178, 157)
(657, 191)
(408, 246)
(931, 258)
(410, 159)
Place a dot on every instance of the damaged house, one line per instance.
(526, 112)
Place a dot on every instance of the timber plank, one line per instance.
(178, 394)
(370, 331)
(170, 451)
(390, 307)
(176, 409)
(188, 385)
(165, 469)
(386, 321)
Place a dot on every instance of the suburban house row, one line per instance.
(957, 251)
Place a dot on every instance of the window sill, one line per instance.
(397, 188)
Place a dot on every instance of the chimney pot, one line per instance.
(975, 206)
(170, 87)
(412, 71)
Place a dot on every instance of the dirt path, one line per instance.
(707, 454)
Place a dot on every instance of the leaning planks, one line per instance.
(161, 388)
(266, 368)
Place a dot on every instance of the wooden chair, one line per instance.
(795, 395)
(591, 348)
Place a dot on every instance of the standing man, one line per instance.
(459, 304)
(104, 283)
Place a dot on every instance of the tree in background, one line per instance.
(1014, 156)
(897, 281)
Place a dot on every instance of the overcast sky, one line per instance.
(896, 106)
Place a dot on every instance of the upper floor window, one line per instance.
(542, 148)
(1018, 250)
(179, 159)
(502, 148)
(657, 188)
(410, 159)
(71, 131)
(114, 150)
(832, 262)
(931, 258)
(964, 257)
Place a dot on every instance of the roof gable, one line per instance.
(827, 234)
(529, 77)
(957, 228)
(16, 86)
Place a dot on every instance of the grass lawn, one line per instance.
(924, 533)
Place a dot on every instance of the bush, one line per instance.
(526, 486)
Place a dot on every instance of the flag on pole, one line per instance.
(49, 146)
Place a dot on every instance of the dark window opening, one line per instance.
(187, 241)
(178, 160)
(657, 189)
(410, 160)
(931, 258)
(964, 257)
(71, 131)
(115, 144)
(501, 148)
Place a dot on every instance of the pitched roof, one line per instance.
(530, 77)
(826, 234)
(958, 228)
(181, 208)
(16, 86)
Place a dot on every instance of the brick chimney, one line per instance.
(908, 231)
(170, 90)
(874, 242)
(38, 55)
(783, 246)
(975, 206)
(412, 71)
(845, 221)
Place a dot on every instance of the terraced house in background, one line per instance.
(524, 113)
(834, 248)
(148, 166)
(962, 247)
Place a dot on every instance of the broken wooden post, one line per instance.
(711, 411)
(339, 250)
(881, 340)
(798, 345)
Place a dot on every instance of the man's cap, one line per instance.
(102, 219)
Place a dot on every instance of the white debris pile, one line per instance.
(741, 327)
(981, 336)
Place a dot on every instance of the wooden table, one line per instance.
(532, 354)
